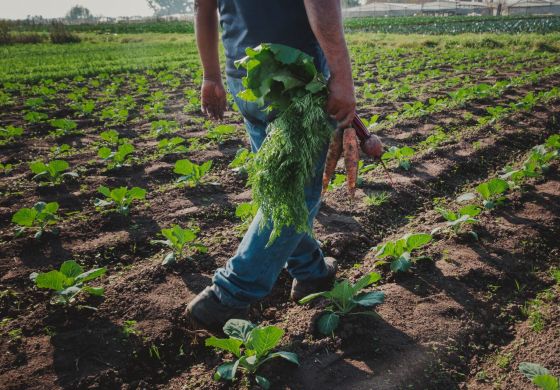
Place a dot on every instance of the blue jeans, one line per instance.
(251, 273)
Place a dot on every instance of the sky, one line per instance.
(19, 9)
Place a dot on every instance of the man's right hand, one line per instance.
(341, 102)
(213, 98)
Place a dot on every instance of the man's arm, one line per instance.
(325, 18)
(212, 93)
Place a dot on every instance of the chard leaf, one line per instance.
(25, 217)
(417, 240)
(311, 297)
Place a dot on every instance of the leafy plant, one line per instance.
(53, 172)
(400, 155)
(246, 212)
(163, 127)
(179, 239)
(400, 250)
(377, 198)
(37, 218)
(456, 220)
(539, 376)
(344, 298)
(9, 133)
(252, 346)
(172, 145)
(112, 138)
(6, 168)
(191, 173)
(491, 191)
(241, 162)
(120, 197)
(60, 150)
(221, 133)
(114, 115)
(68, 281)
(35, 117)
(62, 127)
(116, 158)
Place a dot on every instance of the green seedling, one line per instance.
(459, 219)
(34, 117)
(6, 168)
(114, 115)
(400, 155)
(191, 173)
(62, 127)
(242, 161)
(246, 212)
(36, 218)
(252, 346)
(53, 172)
(400, 250)
(163, 127)
(119, 198)
(60, 150)
(492, 193)
(112, 138)
(117, 158)
(9, 133)
(539, 376)
(179, 239)
(172, 145)
(68, 281)
(221, 133)
(377, 198)
(344, 298)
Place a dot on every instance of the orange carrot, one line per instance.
(334, 153)
(351, 158)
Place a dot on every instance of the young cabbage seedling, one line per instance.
(163, 127)
(191, 173)
(177, 239)
(9, 133)
(69, 281)
(37, 218)
(456, 220)
(112, 138)
(120, 197)
(117, 158)
(491, 191)
(221, 133)
(400, 155)
(252, 346)
(52, 173)
(242, 161)
(62, 127)
(400, 250)
(344, 298)
(172, 145)
(246, 212)
(540, 376)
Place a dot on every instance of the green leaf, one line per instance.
(416, 240)
(230, 345)
(104, 152)
(71, 269)
(401, 264)
(97, 291)
(365, 281)
(341, 292)
(262, 382)
(370, 299)
(169, 259)
(546, 382)
(531, 370)
(136, 193)
(25, 217)
(262, 340)
(447, 214)
(53, 280)
(104, 191)
(470, 210)
(238, 329)
(226, 371)
(387, 249)
(90, 275)
(327, 323)
(38, 167)
(310, 297)
(289, 356)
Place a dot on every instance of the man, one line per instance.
(315, 27)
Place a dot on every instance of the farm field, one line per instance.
(459, 110)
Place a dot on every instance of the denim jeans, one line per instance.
(251, 273)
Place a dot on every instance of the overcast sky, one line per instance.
(19, 9)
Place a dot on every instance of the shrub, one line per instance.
(59, 34)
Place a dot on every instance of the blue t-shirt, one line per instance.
(248, 23)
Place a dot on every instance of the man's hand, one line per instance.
(341, 102)
(213, 98)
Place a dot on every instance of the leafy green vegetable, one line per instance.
(400, 155)
(456, 220)
(172, 145)
(401, 249)
(491, 191)
(52, 172)
(120, 197)
(540, 376)
(8, 133)
(252, 346)
(38, 217)
(242, 161)
(116, 158)
(246, 212)
(287, 80)
(69, 281)
(177, 240)
(191, 173)
(344, 298)
(63, 127)
(221, 133)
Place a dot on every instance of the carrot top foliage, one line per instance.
(286, 83)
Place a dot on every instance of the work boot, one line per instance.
(207, 311)
(301, 289)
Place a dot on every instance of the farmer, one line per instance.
(315, 27)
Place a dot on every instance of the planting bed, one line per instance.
(464, 316)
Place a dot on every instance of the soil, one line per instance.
(442, 323)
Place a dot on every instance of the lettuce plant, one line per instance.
(36, 218)
(344, 298)
(191, 173)
(116, 158)
(252, 346)
(400, 155)
(492, 193)
(179, 239)
(121, 198)
(52, 172)
(68, 281)
(400, 250)
(540, 376)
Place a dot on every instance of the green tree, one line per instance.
(170, 7)
(78, 12)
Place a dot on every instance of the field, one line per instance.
(475, 302)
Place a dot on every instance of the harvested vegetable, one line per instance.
(286, 79)
(351, 158)
(333, 155)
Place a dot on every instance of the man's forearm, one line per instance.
(325, 19)
(206, 29)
